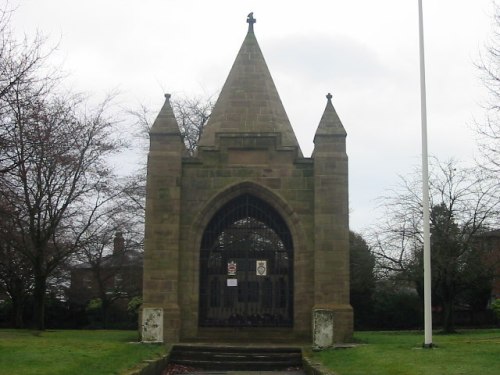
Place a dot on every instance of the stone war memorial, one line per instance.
(249, 239)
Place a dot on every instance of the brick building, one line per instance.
(490, 243)
(117, 275)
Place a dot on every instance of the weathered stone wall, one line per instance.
(331, 233)
(161, 257)
(273, 174)
(309, 193)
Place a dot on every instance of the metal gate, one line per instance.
(246, 267)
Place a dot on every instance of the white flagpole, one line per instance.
(425, 189)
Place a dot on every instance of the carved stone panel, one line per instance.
(152, 325)
(322, 328)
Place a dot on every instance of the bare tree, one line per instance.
(489, 130)
(192, 115)
(16, 279)
(362, 279)
(57, 179)
(109, 259)
(20, 62)
(464, 204)
(54, 179)
(21, 67)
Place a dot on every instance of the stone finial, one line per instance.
(330, 124)
(165, 122)
(250, 21)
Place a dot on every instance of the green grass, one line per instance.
(25, 352)
(472, 352)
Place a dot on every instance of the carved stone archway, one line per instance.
(246, 267)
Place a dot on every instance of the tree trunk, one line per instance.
(17, 313)
(448, 318)
(18, 297)
(105, 312)
(39, 301)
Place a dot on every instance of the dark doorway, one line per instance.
(246, 267)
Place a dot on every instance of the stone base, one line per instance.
(152, 325)
(332, 324)
(172, 323)
(322, 328)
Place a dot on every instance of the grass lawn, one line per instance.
(474, 352)
(471, 352)
(71, 352)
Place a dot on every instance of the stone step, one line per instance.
(236, 358)
(258, 335)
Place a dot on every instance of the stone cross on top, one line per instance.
(250, 21)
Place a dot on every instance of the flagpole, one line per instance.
(425, 190)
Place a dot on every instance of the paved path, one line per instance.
(294, 372)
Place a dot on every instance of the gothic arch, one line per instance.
(276, 202)
(214, 204)
(246, 267)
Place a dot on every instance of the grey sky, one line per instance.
(365, 52)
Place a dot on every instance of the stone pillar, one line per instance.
(331, 233)
(161, 252)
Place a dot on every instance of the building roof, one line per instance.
(122, 259)
(249, 101)
(492, 233)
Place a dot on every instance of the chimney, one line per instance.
(118, 243)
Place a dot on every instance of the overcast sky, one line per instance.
(364, 52)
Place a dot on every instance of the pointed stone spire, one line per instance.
(330, 124)
(249, 102)
(165, 122)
